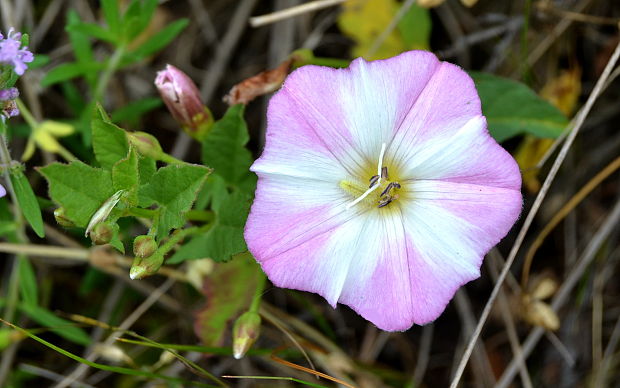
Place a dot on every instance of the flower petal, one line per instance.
(468, 155)
(451, 227)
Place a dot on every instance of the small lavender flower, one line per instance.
(380, 187)
(8, 94)
(11, 53)
(2, 191)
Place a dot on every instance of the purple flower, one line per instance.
(182, 98)
(380, 188)
(2, 191)
(9, 94)
(12, 54)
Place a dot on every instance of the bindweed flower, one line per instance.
(182, 98)
(12, 54)
(380, 188)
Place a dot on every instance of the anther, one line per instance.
(384, 173)
(373, 181)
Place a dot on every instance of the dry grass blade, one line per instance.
(562, 213)
(311, 371)
(563, 293)
(316, 5)
(535, 207)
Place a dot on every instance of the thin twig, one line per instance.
(316, 5)
(532, 213)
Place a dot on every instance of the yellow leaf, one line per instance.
(46, 141)
(55, 128)
(529, 153)
(29, 151)
(564, 90)
(365, 20)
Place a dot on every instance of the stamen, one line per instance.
(378, 182)
(373, 180)
(384, 173)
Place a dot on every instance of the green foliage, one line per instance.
(225, 237)
(229, 289)
(28, 288)
(174, 188)
(60, 326)
(511, 108)
(79, 188)
(109, 141)
(224, 148)
(27, 201)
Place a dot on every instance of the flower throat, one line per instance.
(380, 181)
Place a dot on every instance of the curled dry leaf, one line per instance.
(265, 82)
(534, 310)
(539, 313)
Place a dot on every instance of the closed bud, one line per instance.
(146, 144)
(245, 332)
(144, 246)
(61, 218)
(145, 266)
(182, 98)
(102, 233)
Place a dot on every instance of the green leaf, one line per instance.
(67, 71)
(79, 188)
(27, 282)
(56, 324)
(224, 147)
(512, 108)
(229, 289)
(160, 39)
(93, 30)
(174, 188)
(27, 202)
(111, 15)
(109, 141)
(146, 168)
(81, 45)
(125, 176)
(415, 28)
(225, 238)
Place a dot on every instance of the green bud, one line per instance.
(144, 246)
(145, 266)
(146, 144)
(245, 332)
(102, 233)
(61, 218)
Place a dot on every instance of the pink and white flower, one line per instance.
(380, 187)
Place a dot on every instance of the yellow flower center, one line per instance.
(375, 188)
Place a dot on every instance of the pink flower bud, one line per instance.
(182, 98)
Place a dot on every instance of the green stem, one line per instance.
(164, 157)
(179, 235)
(258, 293)
(142, 213)
(111, 67)
(25, 112)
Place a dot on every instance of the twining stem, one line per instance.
(562, 213)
